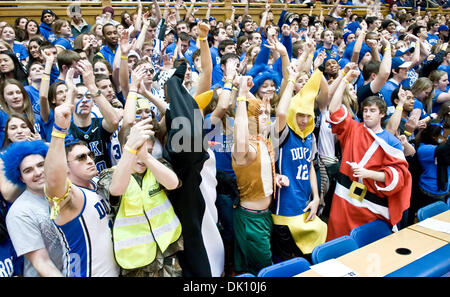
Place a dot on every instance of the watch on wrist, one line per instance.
(98, 93)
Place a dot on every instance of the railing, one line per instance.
(10, 10)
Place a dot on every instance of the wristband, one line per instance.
(44, 78)
(407, 133)
(202, 38)
(344, 73)
(124, 57)
(346, 81)
(126, 147)
(59, 128)
(399, 108)
(228, 85)
(228, 89)
(235, 89)
(132, 97)
(241, 98)
(58, 135)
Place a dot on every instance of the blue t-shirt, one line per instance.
(387, 91)
(390, 139)
(108, 54)
(428, 178)
(10, 264)
(331, 53)
(20, 51)
(436, 105)
(432, 38)
(214, 56)
(445, 68)
(222, 150)
(33, 93)
(65, 43)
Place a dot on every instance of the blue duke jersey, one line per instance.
(88, 239)
(294, 161)
(97, 139)
(114, 148)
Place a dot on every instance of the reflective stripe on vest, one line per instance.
(145, 219)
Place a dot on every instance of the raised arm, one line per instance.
(141, 39)
(125, 48)
(55, 165)
(139, 134)
(396, 117)
(241, 133)
(385, 68)
(157, 11)
(129, 114)
(225, 96)
(283, 105)
(44, 87)
(205, 76)
(358, 45)
(164, 175)
(111, 118)
(189, 10)
(336, 101)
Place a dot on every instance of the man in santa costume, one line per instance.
(373, 180)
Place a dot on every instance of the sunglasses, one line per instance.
(150, 70)
(83, 157)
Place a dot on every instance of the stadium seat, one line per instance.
(370, 232)
(431, 210)
(333, 249)
(286, 268)
(245, 275)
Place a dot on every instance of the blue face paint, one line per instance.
(77, 106)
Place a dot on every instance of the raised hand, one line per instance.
(137, 75)
(85, 68)
(63, 114)
(125, 45)
(203, 29)
(139, 134)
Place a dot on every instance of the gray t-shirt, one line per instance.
(30, 228)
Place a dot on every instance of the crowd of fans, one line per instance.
(99, 179)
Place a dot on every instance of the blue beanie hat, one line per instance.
(14, 155)
(353, 26)
(261, 77)
(349, 51)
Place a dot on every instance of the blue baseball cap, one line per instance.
(400, 53)
(399, 63)
(443, 28)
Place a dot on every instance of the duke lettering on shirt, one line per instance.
(301, 153)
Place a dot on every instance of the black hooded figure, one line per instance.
(195, 165)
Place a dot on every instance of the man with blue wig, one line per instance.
(28, 220)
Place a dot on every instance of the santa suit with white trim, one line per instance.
(360, 201)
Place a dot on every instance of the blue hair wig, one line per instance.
(14, 155)
(261, 77)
